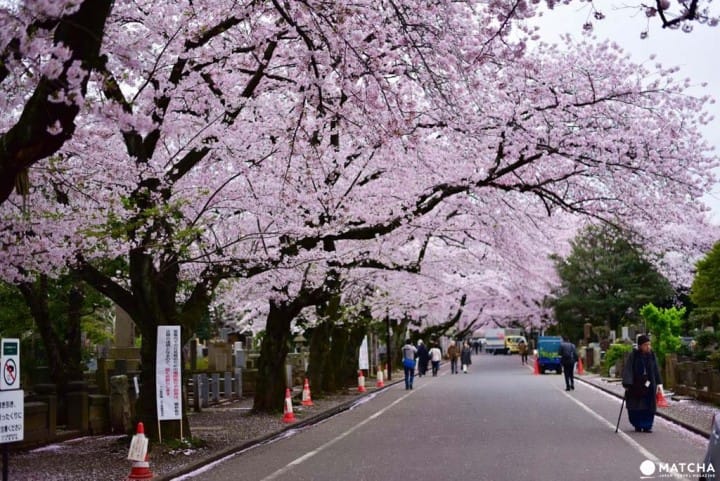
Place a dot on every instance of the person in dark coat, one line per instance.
(641, 379)
(568, 357)
(466, 357)
(423, 358)
(453, 352)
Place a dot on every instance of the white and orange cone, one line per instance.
(660, 398)
(140, 469)
(580, 369)
(306, 399)
(288, 415)
(361, 381)
(380, 381)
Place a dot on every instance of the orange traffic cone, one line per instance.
(306, 400)
(536, 369)
(288, 415)
(380, 381)
(140, 469)
(580, 369)
(361, 381)
(660, 399)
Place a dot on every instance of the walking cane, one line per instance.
(622, 405)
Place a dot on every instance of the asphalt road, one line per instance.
(498, 422)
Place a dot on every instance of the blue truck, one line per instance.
(547, 354)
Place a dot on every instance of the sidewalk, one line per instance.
(225, 429)
(685, 411)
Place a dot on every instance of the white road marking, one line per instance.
(312, 453)
(637, 446)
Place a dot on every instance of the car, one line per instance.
(712, 456)
(511, 342)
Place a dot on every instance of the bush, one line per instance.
(614, 352)
(714, 359)
(705, 340)
(701, 355)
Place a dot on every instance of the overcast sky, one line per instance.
(695, 53)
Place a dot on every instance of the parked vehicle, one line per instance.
(495, 341)
(511, 342)
(502, 340)
(547, 354)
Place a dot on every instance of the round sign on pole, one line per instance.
(10, 364)
(10, 373)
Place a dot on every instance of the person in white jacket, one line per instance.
(435, 357)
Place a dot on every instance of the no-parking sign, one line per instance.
(10, 364)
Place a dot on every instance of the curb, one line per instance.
(314, 419)
(702, 432)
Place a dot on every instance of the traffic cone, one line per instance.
(306, 400)
(380, 382)
(580, 369)
(140, 469)
(361, 381)
(660, 398)
(536, 369)
(288, 415)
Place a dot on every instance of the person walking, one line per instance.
(423, 357)
(641, 380)
(408, 360)
(568, 357)
(435, 357)
(453, 354)
(465, 356)
(523, 350)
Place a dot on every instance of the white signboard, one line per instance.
(138, 448)
(363, 362)
(168, 379)
(10, 364)
(12, 410)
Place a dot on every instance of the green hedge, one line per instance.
(614, 352)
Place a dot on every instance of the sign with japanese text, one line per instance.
(12, 411)
(363, 358)
(168, 379)
(10, 364)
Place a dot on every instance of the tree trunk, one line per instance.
(73, 348)
(152, 303)
(319, 354)
(271, 383)
(63, 349)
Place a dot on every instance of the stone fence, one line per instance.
(697, 379)
(105, 403)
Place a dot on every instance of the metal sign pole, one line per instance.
(5, 458)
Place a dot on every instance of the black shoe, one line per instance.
(647, 430)
(637, 430)
(572, 388)
(567, 388)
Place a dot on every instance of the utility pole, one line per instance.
(389, 349)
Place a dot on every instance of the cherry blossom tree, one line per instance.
(288, 145)
(47, 50)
